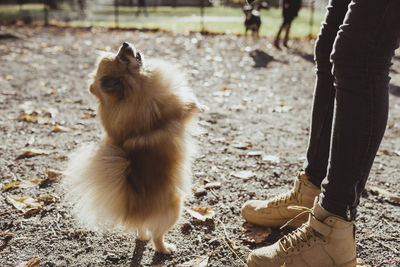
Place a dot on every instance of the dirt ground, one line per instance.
(259, 99)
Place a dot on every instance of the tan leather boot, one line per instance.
(276, 212)
(325, 240)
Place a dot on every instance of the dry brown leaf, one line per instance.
(53, 174)
(213, 185)
(243, 174)
(11, 185)
(25, 204)
(34, 119)
(255, 234)
(202, 213)
(28, 118)
(383, 152)
(47, 199)
(32, 153)
(199, 191)
(59, 129)
(87, 116)
(384, 194)
(31, 263)
(200, 261)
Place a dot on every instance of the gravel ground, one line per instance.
(259, 99)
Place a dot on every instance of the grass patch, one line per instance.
(271, 19)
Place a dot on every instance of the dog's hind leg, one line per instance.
(165, 222)
(143, 234)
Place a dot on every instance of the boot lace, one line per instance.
(284, 198)
(302, 236)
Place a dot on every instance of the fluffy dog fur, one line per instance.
(138, 174)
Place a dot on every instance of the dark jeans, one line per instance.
(353, 55)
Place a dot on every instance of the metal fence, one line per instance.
(115, 12)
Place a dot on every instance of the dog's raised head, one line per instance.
(115, 72)
(135, 98)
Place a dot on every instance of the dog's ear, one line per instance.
(112, 85)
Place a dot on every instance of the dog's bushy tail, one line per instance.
(97, 185)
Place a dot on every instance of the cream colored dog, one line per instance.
(138, 174)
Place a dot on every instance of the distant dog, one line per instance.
(138, 175)
(253, 20)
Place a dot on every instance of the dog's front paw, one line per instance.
(165, 248)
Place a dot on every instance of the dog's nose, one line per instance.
(125, 45)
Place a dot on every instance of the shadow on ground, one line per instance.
(261, 59)
(305, 56)
(138, 253)
(394, 90)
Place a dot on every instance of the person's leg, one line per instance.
(324, 94)
(361, 58)
(278, 35)
(286, 39)
(276, 211)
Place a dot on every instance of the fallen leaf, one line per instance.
(201, 213)
(383, 152)
(11, 185)
(212, 185)
(32, 153)
(31, 263)
(47, 199)
(384, 194)
(87, 116)
(25, 204)
(28, 118)
(31, 183)
(8, 93)
(243, 174)
(59, 129)
(9, 77)
(270, 158)
(241, 145)
(53, 174)
(200, 261)
(199, 191)
(255, 153)
(255, 234)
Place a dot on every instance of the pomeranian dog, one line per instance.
(137, 176)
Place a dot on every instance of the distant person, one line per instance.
(82, 8)
(142, 7)
(290, 9)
